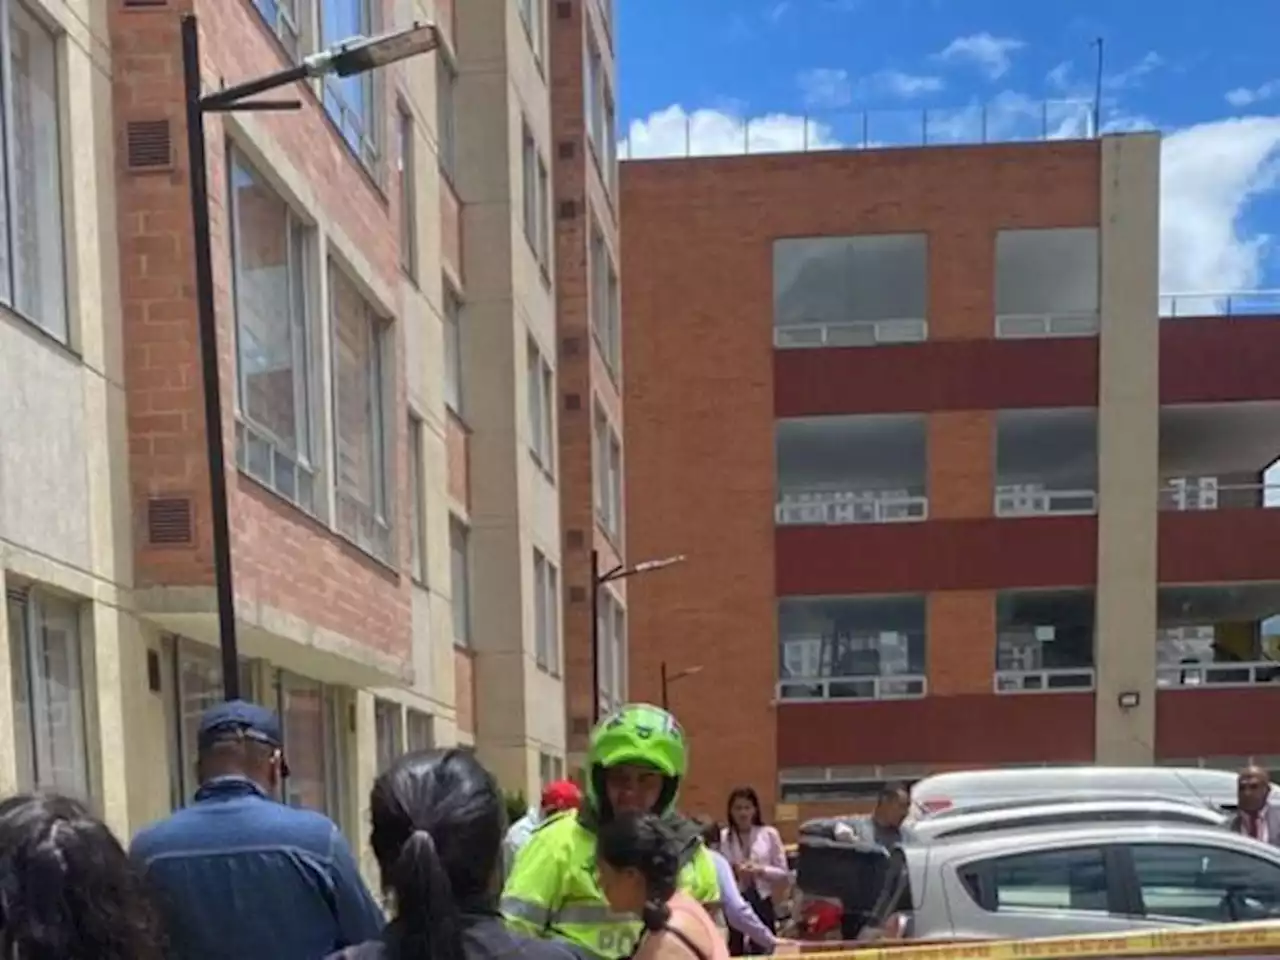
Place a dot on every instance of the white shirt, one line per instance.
(517, 836)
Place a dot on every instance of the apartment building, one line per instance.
(958, 487)
(583, 113)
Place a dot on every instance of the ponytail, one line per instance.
(655, 915)
(428, 923)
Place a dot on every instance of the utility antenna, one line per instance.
(1097, 90)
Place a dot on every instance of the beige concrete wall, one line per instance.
(1128, 447)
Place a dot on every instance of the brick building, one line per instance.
(953, 493)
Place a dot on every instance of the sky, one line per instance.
(718, 76)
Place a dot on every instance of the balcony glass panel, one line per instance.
(850, 291)
(841, 470)
(1047, 283)
(1044, 641)
(851, 648)
(1046, 462)
(1218, 636)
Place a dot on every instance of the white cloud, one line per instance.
(1247, 96)
(907, 85)
(1210, 172)
(1132, 75)
(1060, 78)
(989, 53)
(824, 88)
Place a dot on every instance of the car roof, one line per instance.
(1020, 839)
(1041, 801)
(1136, 811)
(1086, 777)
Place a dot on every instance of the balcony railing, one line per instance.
(1205, 493)
(1237, 303)
(1247, 674)
(818, 689)
(1060, 680)
(1020, 500)
(816, 506)
(1032, 326)
(850, 333)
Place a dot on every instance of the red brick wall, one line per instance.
(962, 642)
(281, 557)
(962, 454)
(700, 396)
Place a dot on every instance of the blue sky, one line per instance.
(1205, 73)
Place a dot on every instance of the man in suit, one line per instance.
(1256, 816)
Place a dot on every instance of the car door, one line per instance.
(1057, 891)
(1189, 883)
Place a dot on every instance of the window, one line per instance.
(593, 91)
(611, 626)
(359, 393)
(532, 15)
(537, 190)
(605, 321)
(417, 501)
(1205, 884)
(446, 114)
(615, 483)
(313, 717)
(1046, 462)
(32, 257)
(620, 653)
(1044, 640)
(546, 597)
(408, 193)
(270, 251)
(550, 768)
(420, 729)
(1047, 282)
(452, 350)
(540, 382)
(460, 567)
(48, 693)
(389, 732)
(288, 19)
(1046, 881)
(607, 455)
(351, 102)
(610, 146)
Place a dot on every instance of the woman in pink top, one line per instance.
(759, 861)
(638, 860)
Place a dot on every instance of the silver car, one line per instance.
(1080, 879)
(1023, 814)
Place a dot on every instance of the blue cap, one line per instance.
(242, 718)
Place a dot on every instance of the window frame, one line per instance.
(334, 747)
(452, 309)
(446, 114)
(460, 597)
(418, 561)
(540, 401)
(424, 721)
(1138, 907)
(407, 168)
(369, 148)
(388, 718)
(533, 17)
(296, 21)
(977, 879)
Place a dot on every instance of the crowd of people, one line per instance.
(602, 873)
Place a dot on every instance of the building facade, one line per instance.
(953, 485)
(584, 78)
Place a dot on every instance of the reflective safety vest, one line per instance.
(553, 891)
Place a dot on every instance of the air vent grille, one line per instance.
(149, 145)
(169, 521)
(144, 4)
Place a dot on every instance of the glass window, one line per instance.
(544, 214)
(607, 666)
(1047, 281)
(452, 350)
(615, 483)
(593, 89)
(288, 19)
(359, 426)
(446, 114)
(1048, 880)
(605, 320)
(532, 16)
(540, 384)
(417, 501)
(32, 256)
(460, 566)
(311, 715)
(351, 102)
(541, 613)
(389, 730)
(408, 192)
(553, 619)
(610, 145)
(48, 693)
(420, 729)
(529, 181)
(1044, 639)
(1205, 884)
(619, 652)
(270, 249)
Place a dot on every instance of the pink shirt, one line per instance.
(763, 847)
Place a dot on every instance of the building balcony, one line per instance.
(1219, 347)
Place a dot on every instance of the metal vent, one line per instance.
(577, 594)
(169, 521)
(564, 9)
(144, 4)
(567, 209)
(581, 726)
(573, 401)
(149, 145)
(573, 539)
(567, 149)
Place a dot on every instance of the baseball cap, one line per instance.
(240, 718)
(561, 795)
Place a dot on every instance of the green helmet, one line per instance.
(642, 734)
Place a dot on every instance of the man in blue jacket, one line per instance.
(240, 875)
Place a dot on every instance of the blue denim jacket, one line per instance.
(238, 875)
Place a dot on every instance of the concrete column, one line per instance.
(1128, 447)
(8, 751)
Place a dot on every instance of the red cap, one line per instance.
(561, 795)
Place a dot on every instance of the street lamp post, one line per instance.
(669, 678)
(598, 580)
(348, 58)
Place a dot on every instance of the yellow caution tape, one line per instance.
(1238, 940)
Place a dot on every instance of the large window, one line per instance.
(460, 567)
(1046, 462)
(1205, 884)
(359, 418)
(452, 350)
(32, 258)
(312, 715)
(607, 454)
(352, 102)
(593, 92)
(540, 382)
(533, 16)
(408, 192)
(270, 252)
(546, 605)
(446, 114)
(388, 725)
(417, 501)
(537, 198)
(851, 648)
(48, 692)
(605, 321)
(1044, 640)
(1047, 282)
(1044, 881)
(419, 730)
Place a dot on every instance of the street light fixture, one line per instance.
(598, 580)
(353, 56)
(670, 678)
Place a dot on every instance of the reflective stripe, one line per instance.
(528, 911)
(593, 913)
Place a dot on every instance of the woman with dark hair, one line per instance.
(739, 916)
(68, 890)
(758, 858)
(638, 860)
(438, 819)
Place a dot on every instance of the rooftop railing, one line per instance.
(711, 133)
(1230, 303)
(1205, 493)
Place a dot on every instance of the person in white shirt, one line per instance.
(1256, 816)
(557, 797)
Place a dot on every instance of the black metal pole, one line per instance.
(595, 638)
(1097, 91)
(662, 667)
(197, 179)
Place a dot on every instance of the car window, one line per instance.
(1203, 883)
(1073, 879)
